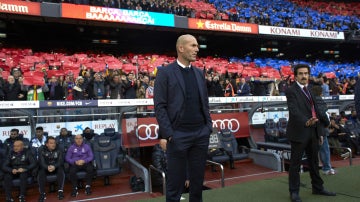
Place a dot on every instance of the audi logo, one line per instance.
(232, 124)
(145, 132)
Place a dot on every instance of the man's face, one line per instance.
(78, 140)
(14, 134)
(51, 144)
(39, 134)
(242, 80)
(63, 132)
(189, 49)
(302, 76)
(18, 146)
(11, 80)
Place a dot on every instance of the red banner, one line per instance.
(224, 26)
(143, 132)
(20, 7)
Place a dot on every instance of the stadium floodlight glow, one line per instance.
(2, 35)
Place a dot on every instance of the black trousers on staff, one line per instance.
(311, 148)
(186, 150)
(8, 177)
(87, 167)
(60, 178)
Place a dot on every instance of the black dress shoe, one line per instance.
(324, 192)
(295, 197)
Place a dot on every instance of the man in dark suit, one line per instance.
(302, 133)
(357, 97)
(182, 111)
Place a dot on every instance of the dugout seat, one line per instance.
(271, 131)
(106, 157)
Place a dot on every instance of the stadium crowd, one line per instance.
(44, 81)
(316, 15)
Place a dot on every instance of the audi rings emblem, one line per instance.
(146, 132)
(232, 124)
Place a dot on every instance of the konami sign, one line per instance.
(295, 32)
(19, 7)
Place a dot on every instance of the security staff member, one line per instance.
(51, 162)
(19, 163)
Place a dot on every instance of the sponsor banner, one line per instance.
(124, 102)
(85, 12)
(346, 97)
(143, 132)
(53, 129)
(222, 26)
(5, 132)
(296, 32)
(68, 103)
(19, 104)
(20, 7)
(260, 118)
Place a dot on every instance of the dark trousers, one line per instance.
(60, 178)
(186, 148)
(311, 148)
(8, 177)
(87, 167)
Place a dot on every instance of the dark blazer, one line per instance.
(169, 98)
(357, 98)
(299, 113)
(244, 91)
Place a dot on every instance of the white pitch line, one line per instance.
(109, 196)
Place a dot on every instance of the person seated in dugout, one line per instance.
(14, 135)
(18, 164)
(51, 161)
(64, 140)
(38, 141)
(88, 135)
(80, 157)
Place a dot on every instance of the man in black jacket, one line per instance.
(19, 163)
(51, 162)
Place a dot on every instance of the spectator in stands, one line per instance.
(357, 97)
(261, 86)
(353, 117)
(229, 89)
(79, 92)
(140, 91)
(149, 94)
(283, 85)
(51, 162)
(64, 140)
(12, 90)
(302, 133)
(244, 88)
(187, 136)
(323, 130)
(14, 135)
(129, 86)
(68, 85)
(115, 86)
(96, 88)
(18, 164)
(56, 91)
(17, 74)
(38, 141)
(325, 86)
(80, 157)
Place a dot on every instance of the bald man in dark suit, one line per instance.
(182, 111)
